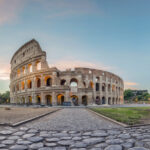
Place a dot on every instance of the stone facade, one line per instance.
(33, 82)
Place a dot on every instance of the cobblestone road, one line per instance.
(93, 138)
(72, 119)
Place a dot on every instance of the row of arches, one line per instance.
(29, 68)
(111, 101)
(60, 100)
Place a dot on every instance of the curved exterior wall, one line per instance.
(33, 82)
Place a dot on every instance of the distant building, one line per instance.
(139, 92)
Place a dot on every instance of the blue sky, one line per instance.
(113, 35)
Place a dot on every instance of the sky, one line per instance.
(113, 35)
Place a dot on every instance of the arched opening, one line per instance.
(29, 67)
(29, 84)
(38, 82)
(97, 101)
(74, 99)
(38, 65)
(60, 99)
(103, 100)
(103, 87)
(91, 84)
(113, 87)
(113, 101)
(109, 101)
(62, 82)
(38, 100)
(48, 81)
(18, 72)
(109, 87)
(97, 86)
(48, 100)
(73, 82)
(22, 85)
(84, 100)
(30, 100)
(23, 70)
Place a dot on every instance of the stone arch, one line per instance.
(38, 81)
(63, 82)
(74, 99)
(22, 85)
(97, 86)
(103, 87)
(60, 99)
(38, 99)
(29, 67)
(103, 100)
(73, 82)
(18, 72)
(91, 84)
(38, 65)
(48, 99)
(48, 81)
(30, 100)
(109, 100)
(84, 100)
(109, 87)
(113, 101)
(29, 84)
(97, 101)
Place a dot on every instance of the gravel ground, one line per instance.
(78, 119)
(16, 114)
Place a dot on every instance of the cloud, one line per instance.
(61, 8)
(9, 10)
(66, 64)
(131, 85)
(4, 71)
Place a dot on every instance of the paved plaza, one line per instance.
(74, 129)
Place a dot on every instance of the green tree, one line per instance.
(128, 94)
(5, 97)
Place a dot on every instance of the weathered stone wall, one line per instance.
(33, 82)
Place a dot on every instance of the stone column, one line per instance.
(54, 99)
(33, 98)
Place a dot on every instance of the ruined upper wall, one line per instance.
(26, 52)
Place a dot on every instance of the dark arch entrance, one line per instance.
(74, 99)
(109, 101)
(84, 100)
(60, 99)
(103, 100)
(48, 100)
(97, 101)
(38, 100)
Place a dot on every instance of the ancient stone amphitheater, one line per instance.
(33, 82)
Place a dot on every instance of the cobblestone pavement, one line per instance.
(72, 119)
(106, 139)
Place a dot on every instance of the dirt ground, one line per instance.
(17, 114)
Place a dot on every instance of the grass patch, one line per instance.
(130, 116)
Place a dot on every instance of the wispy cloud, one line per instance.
(65, 64)
(61, 8)
(9, 10)
(4, 71)
(131, 85)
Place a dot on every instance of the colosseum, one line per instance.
(32, 81)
